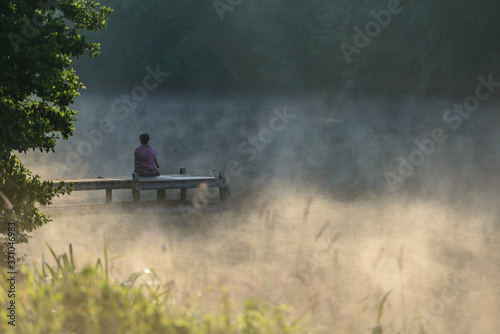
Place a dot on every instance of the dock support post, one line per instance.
(183, 191)
(160, 195)
(109, 196)
(136, 194)
(223, 191)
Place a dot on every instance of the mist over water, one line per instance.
(313, 221)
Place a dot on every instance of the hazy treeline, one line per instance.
(425, 46)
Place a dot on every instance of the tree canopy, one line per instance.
(37, 87)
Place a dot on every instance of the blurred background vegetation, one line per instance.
(431, 47)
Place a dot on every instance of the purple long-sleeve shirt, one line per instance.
(146, 162)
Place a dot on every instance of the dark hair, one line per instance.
(144, 138)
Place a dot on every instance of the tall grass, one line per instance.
(61, 298)
(330, 271)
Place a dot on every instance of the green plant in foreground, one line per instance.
(60, 298)
(380, 310)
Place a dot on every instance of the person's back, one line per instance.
(146, 162)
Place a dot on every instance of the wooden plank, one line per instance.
(183, 185)
(97, 184)
(142, 184)
(147, 185)
(181, 181)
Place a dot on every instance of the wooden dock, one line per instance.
(136, 184)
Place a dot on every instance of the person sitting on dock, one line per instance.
(146, 162)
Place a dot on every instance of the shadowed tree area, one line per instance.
(425, 47)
